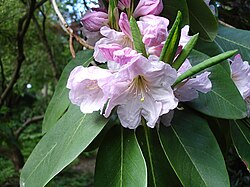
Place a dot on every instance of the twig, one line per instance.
(2, 74)
(28, 122)
(71, 46)
(67, 28)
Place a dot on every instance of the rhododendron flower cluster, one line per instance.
(138, 86)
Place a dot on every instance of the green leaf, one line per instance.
(204, 65)
(224, 99)
(60, 100)
(160, 173)
(202, 20)
(170, 9)
(185, 52)
(120, 161)
(60, 146)
(170, 47)
(240, 132)
(230, 38)
(193, 152)
(137, 37)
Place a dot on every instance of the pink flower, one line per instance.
(91, 24)
(153, 29)
(188, 89)
(146, 7)
(122, 4)
(141, 88)
(84, 88)
(113, 40)
(241, 76)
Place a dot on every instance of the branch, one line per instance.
(43, 38)
(2, 74)
(66, 27)
(23, 25)
(28, 122)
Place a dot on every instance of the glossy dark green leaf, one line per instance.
(172, 7)
(60, 146)
(240, 132)
(224, 99)
(120, 161)
(160, 173)
(137, 37)
(212, 49)
(60, 100)
(193, 152)
(231, 38)
(202, 20)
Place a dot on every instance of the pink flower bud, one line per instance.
(93, 21)
(122, 4)
(146, 7)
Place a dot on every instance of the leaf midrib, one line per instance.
(184, 148)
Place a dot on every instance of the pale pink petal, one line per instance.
(84, 89)
(108, 50)
(124, 55)
(188, 89)
(241, 75)
(184, 39)
(153, 29)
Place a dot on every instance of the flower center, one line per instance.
(139, 87)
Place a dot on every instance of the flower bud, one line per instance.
(122, 4)
(93, 21)
(146, 7)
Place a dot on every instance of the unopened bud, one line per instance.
(93, 21)
(122, 4)
(146, 7)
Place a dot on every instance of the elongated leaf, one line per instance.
(170, 47)
(60, 146)
(160, 173)
(224, 99)
(60, 100)
(203, 65)
(240, 132)
(120, 161)
(230, 38)
(202, 20)
(172, 7)
(212, 49)
(193, 152)
(137, 37)
(185, 52)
